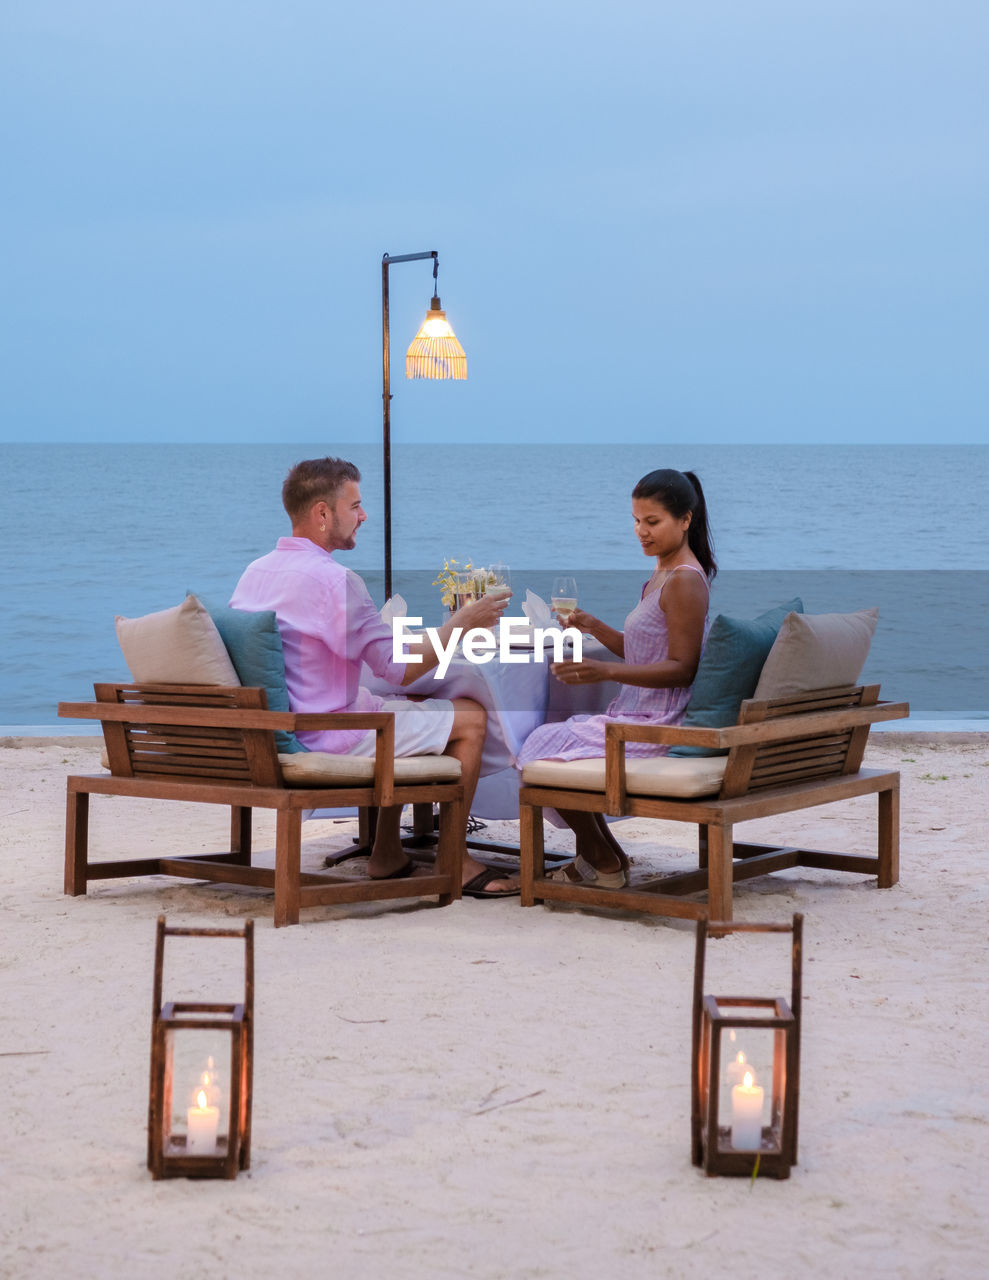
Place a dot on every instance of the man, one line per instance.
(329, 626)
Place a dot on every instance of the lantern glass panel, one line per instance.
(750, 1094)
(197, 1105)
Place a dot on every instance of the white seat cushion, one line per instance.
(323, 769)
(680, 778)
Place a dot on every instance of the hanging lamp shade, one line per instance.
(435, 351)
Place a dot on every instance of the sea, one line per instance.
(91, 531)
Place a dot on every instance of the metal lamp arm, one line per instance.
(386, 261)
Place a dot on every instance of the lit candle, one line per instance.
(203, 1122)
(746, 1115)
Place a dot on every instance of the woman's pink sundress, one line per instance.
(582, 737)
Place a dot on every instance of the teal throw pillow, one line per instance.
(255, 647)
(729, 671)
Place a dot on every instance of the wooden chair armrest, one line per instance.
(738, 735)
(223, 717)
(615, 737)
(811, 723)
(783, 729)
(382, 722)
(673, 735)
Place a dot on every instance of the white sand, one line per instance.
(491, 1092)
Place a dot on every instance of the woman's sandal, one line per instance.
(580, 871)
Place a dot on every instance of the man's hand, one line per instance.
(484, 612)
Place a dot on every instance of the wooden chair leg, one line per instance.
(288, 856)
(76, 840)
(422, 820)
(889, 836)
(719, 872)
(240, 833)
(367, 826)
(702, 845)
(452, 846)
(531, 850)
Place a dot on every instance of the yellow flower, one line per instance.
(446, 579)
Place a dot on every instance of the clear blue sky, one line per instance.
(706, 220)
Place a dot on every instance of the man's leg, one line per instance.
(470, 721)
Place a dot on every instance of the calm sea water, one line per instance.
(94, 530)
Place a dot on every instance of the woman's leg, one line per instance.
(595, 843)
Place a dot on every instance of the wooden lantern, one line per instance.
(746, 1069)
(199, 1110)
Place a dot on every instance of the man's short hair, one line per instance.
(315, 480)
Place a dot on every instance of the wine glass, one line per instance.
(465, 591)
(564, 597)
(499, 580)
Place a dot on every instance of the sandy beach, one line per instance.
(487, 1091)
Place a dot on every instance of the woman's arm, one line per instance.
(608, 636)
(684, 601)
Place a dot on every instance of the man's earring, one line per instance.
(322, 528)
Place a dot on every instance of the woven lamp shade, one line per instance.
(435, 351)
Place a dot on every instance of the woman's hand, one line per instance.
(590, 671)
(587, 623)
(576, 618)
(484, 612)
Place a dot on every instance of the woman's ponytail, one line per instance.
(699, 533)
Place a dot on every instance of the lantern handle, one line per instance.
(719, 928)
(163, 932)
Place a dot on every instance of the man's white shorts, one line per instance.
(421, 728)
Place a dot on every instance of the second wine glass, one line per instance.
(564, 597)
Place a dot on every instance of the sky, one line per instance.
(709, 220)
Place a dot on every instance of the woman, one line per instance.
(661, 647)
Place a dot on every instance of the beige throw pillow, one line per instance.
(175, 646)
(817, 651)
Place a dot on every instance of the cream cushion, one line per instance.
(679, 777)
(817, 651)
(322, 769)
(176, 646)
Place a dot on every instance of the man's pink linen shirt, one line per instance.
(329, 626)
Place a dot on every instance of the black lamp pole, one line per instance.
(386, 262)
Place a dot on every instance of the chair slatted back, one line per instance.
(774, 764)
(146, 748)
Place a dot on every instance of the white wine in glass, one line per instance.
(499, 580)
(564, 597)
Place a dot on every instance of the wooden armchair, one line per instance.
(783, 756)
(215, 745)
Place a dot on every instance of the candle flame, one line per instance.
(201, 1099)
(747, 1082)
(741, 1057)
